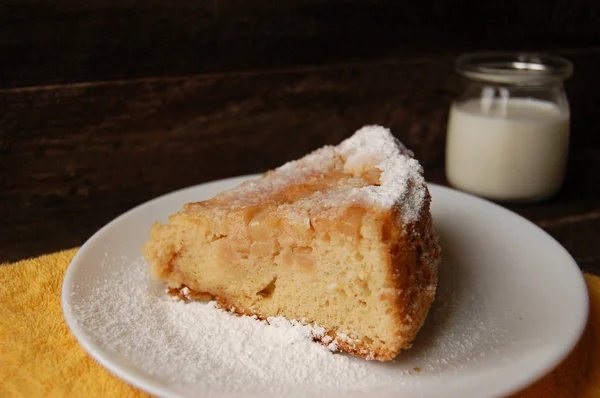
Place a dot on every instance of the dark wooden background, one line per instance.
(105, 104)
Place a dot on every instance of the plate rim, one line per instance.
(152, 387)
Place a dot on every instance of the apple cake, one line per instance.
(341, 238)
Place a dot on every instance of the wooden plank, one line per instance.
(73, 157)
(63, 41)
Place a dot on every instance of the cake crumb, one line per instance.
(333, 346)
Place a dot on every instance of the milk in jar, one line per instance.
(508, 132)
(507, 149)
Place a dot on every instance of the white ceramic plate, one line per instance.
(511, 304)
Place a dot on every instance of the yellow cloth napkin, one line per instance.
(40, 358)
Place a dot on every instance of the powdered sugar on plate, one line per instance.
(200, 347)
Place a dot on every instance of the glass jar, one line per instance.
(508, 133)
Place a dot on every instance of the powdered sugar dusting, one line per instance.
(197, 344)
(401, 182)
(199, 349)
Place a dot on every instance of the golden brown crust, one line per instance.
(414, 258)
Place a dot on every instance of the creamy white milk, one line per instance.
(507, 149)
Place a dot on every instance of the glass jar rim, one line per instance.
(514, 67)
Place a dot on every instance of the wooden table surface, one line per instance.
(106, 105)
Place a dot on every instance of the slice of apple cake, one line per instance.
(342, 238)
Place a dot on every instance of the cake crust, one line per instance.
(357, 214)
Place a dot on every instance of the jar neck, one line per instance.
(516, 84)
(551, 91)
(514, 68)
